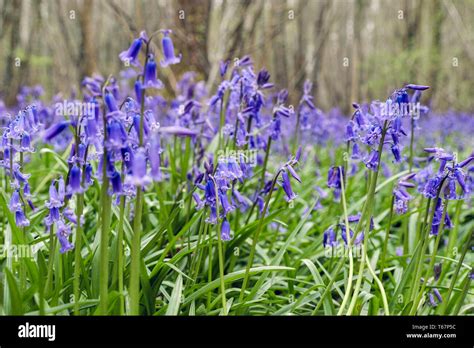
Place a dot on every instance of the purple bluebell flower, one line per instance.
(116, 182)
(286, 184)
(225, 230)
(212, 219)
(150, 79)
(242, 201)
(15, 203)
(74, 183)
(131, 55)
(329, 238)
(168, 50)
(20, 219)
(432, 186)
(437, 294)
(372, 161)
(225, 205)
(63, 236)
(417, 87)
(432, 300)
(199, 202)
(55, 130)
(334, 177)
(139, 176)
(223, 65)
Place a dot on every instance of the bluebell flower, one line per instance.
(63, 233)
(116, 181)
(225, 205)
(223, 65)
(225, 230)
(150, 79)
(437, 294)
(139, 175)
(55, 130)
(286, 184)
(74, 183)
(372, 161)
(212, 219)
(20, 219)
(242, 201)
(334, 177)
(168, 50)
(15, 203)
(432, 300)
(131, 55)
(199, 202)
(111, 103)
(329, 238)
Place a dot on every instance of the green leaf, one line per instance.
(233, 277)
(175, 301)
(15, 297)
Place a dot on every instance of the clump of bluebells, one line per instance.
(161, 173)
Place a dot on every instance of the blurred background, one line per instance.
(351, 50)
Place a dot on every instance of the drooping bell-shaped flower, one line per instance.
(63, 234)
(116, 182)
(225, 230)
(74, 185)
(130, 56)
(373, 160)
(168, 50)
(155, 158)
(55, 130)
(334, 177)
(20, 219)
(139, 176)
(111, 103)
(286, 184)
(225, 205)
(150, 79)
(329, 238)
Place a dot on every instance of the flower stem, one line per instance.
(134, 289)
(349, 248)
(380, 285)
(77, 253)
(105, 229)
(120, 254)
(385, 244)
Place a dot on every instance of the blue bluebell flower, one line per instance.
(168, 50)
(131, 55)
(150, 79)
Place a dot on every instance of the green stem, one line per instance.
(52, 247)
(385, 244)
(380, 285)
(134, 289)
(77, 253)
(349, 248)
(120, 255)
